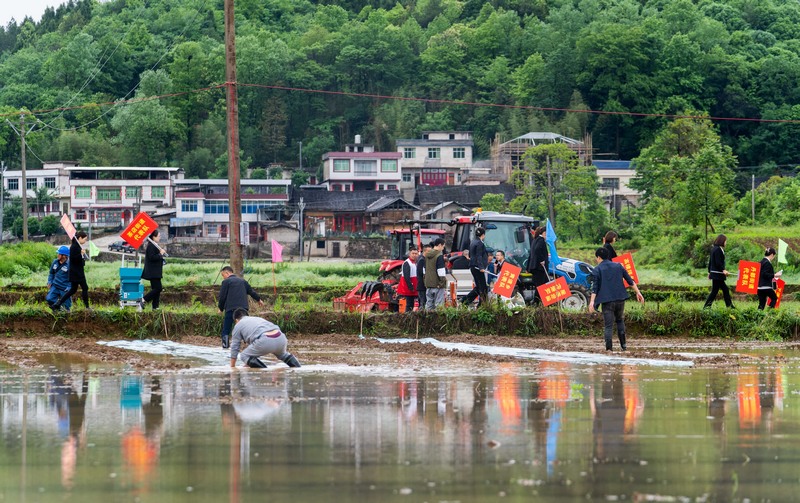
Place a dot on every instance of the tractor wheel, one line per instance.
(578, 301)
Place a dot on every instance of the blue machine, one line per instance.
(131, 289)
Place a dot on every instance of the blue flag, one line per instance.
(551, 243)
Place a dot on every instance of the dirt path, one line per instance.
(34, 352)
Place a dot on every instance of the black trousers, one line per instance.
(765, 294)
(716, 286)
(422, 299)
(155, 293)
(481, 288)
(72, 291)
(613, 313)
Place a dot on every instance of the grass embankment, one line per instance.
(305, 292)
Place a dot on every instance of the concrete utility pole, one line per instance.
(234, 181)
(302, 206)
(2, 201)
(24, 186)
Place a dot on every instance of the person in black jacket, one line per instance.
(153, 267)
(608, 243)
(478, 262)
(77, 276)
(765, 280)
(538, 262)
(608, 291)
(233, 294)
(421, 277)
(717, 272)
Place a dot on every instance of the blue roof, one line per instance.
(612, 164)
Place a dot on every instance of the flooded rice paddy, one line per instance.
(402, 427)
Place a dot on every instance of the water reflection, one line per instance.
(543, 429)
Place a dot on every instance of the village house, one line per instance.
(438, 158)
(360, 168)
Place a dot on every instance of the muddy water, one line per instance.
(401, 428)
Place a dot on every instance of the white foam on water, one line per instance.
(542, 354)
(218, 359)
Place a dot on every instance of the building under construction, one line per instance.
(506, 156)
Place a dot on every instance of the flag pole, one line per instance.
(274, 283)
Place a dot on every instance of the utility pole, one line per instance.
(2, 193)
(234, 182)
(550, 194)
(753, 197)
(301, 156)
(302, 206)
(24, 186)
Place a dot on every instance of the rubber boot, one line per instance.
(254, 363)
(290, 360)
(225, 344)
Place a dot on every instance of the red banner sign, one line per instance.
(138, 230)
(68, 227)
(554, 291)
(779, 284)
(748, 277)
(506, 280)
(627, 262)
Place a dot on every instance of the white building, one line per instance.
(202, 209)
(53, 177)
(438, 158)
(615, 178)
(359, 167)
(112, 196)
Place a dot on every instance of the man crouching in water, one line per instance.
(262, 337)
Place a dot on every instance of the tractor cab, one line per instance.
(504, 231)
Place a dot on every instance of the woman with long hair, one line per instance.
(717, 272)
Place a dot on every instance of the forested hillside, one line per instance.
(533, 59)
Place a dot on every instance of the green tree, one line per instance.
(49, 225)
(493, 202)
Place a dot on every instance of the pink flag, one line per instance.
(277, 252)
(67, 225)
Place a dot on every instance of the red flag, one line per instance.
(779, 284)
(138, 230)
(277, 252)
(67, 225)
(627, 262)
(552, 292)
(506, 280)
(748, 277)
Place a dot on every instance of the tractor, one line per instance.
(504, 231)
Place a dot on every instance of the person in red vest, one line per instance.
(407, 286)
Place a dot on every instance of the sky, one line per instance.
(18, 9)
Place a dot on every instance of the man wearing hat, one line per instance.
(58, 280)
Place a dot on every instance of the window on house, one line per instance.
(407, 177)
(452, 136)
(157, 192)
(433, 153)
(13, 184)
(189, 205)
(459, 153)
(50, 182)
(216, 207)
(366, 168)
(389, 165)
(341, 165)
(425, 136)
(380, 186)
(31, 183)
(83, 192)
(610, 183)
(391, 187)
(409, 153)
(132, 192)
(212, 230)
(113, 194)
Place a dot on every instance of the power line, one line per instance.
(415, 99)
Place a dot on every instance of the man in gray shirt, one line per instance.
(262, 337)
